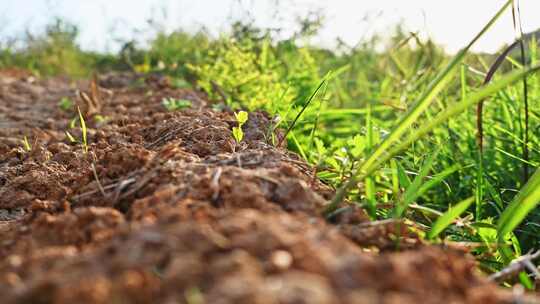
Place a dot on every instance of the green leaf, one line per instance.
(370, 181)
(241, 117)
(404, 179)
(523, 203)
(370, 197)
(448, 217)
(238, 134)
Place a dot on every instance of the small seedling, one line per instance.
(65, 104)
(176, 104)
(241, 118)
(84, 131)
(26, 144)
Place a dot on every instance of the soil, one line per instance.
(165, 207)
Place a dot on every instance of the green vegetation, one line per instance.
(241, 119)
(173, 104)
(84, 131)
(65, 104)
(393, 131)
(26, 144)
(55, 52)
(448, 217)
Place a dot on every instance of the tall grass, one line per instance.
(441, 80)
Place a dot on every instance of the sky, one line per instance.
(105, 23)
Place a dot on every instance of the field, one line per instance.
(246, 169)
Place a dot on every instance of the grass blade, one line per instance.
(480, 107)
(308, 102)
(412, 191)
(524, 202)
(84, 131)
(448, 217)
(370, 182)
(456, 109)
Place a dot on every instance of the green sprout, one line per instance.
(65, 103)
(26, 144)
(241, 118)
(176, 104)
(84, 131)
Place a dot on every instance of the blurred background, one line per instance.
(107, 25)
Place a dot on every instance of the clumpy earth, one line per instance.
(165, 207)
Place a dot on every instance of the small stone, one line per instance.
(15, 260)
(281, 259)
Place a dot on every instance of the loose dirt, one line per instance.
(165, 207)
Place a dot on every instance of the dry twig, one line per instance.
(517, 266)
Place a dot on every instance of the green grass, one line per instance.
(393, 131)
(448, 217)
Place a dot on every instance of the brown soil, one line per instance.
(166, 208)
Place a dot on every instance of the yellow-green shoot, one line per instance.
(241, 119)
(84, 131)
(26, 144)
